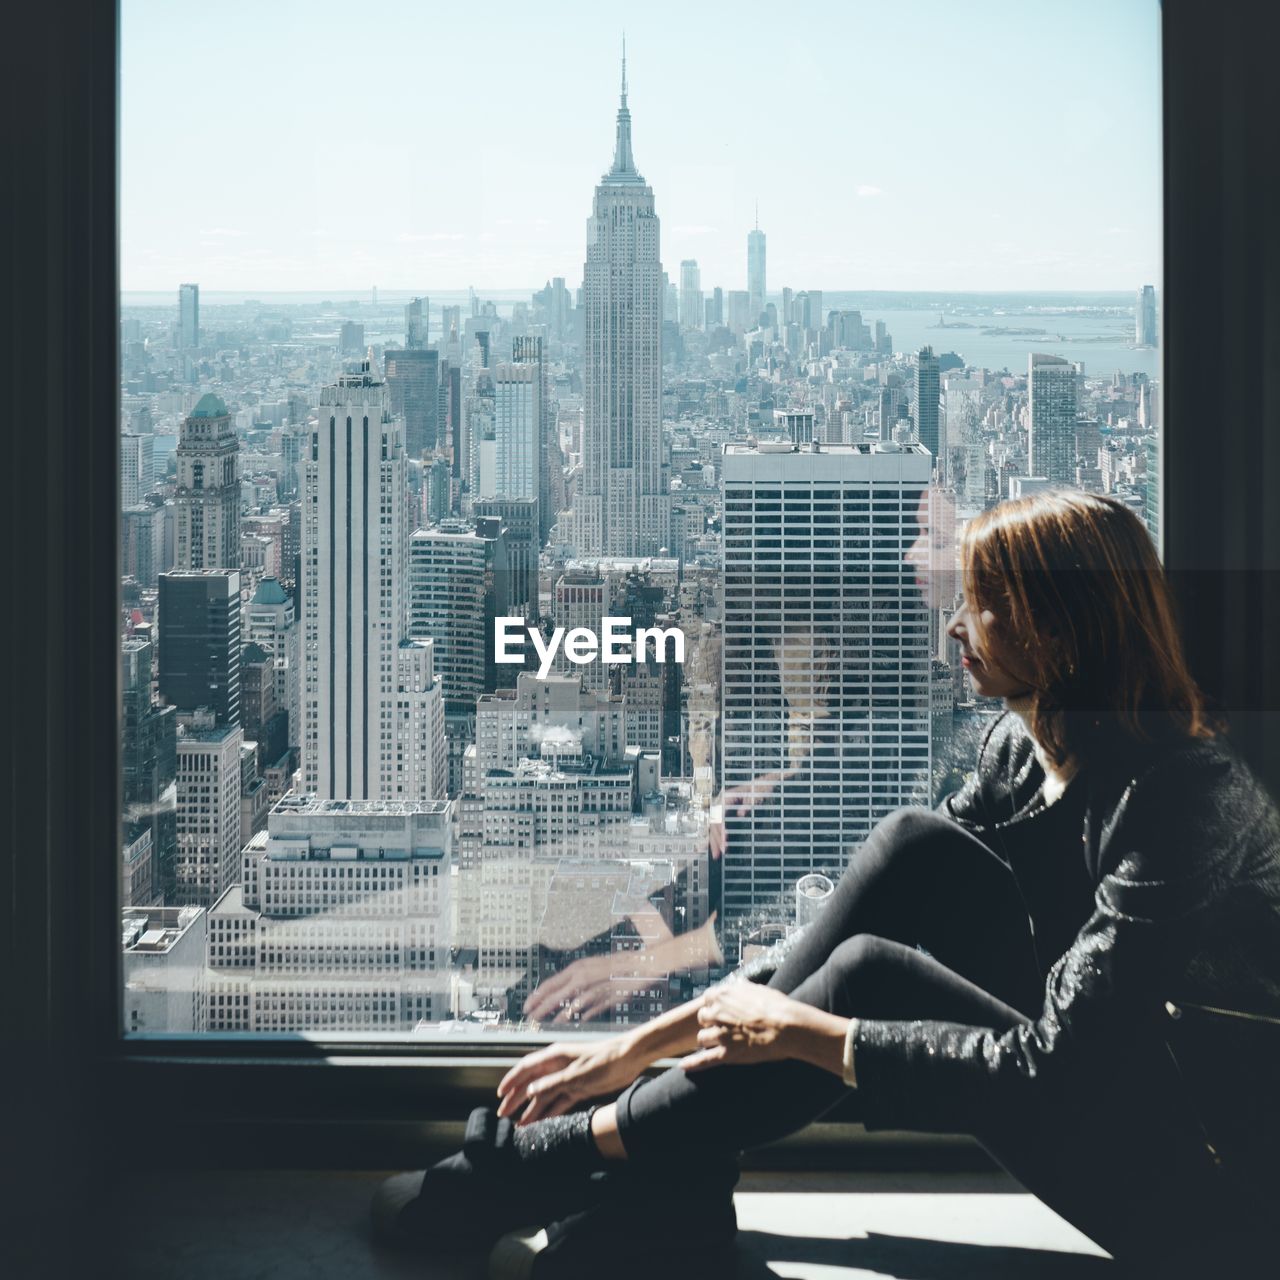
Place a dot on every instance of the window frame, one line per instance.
(383, 1098)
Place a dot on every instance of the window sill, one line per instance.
(349, 1102)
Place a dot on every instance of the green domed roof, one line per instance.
(210, 406)
(270, 592)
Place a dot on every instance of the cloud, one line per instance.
(696, 229)
(221, 231)
(866, 191)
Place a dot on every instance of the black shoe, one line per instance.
(464, 1203)
(642, 1227)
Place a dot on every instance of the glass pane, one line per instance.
(499, 656)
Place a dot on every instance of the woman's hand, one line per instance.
(738, 803)
(584, 987)
(554, 1080)
(744, 1022)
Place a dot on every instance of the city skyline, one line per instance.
(854, 208)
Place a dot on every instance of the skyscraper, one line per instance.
(270, 623)
(199, 633)
(148, 759)
(351, 338)
(755, 272)
(1145, 317)
(413, 378)
(209, 780)
(417, 323)
(511, 469)
(826, 674)
(622, 507)
(690, 295)
(928, 390)
(1051, 391)
(188, 316)
(137, 468)
(457, 585)
(207, 503)
(355, 539)
(532, 351)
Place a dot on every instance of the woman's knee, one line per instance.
(913, 825)
(857, 967)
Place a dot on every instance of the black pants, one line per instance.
(928, 923)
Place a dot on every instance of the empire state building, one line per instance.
(622, 507)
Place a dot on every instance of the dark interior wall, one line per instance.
(60, 740)
(1221, 351)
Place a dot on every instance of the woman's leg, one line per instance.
(925, 881)
(919, 884)
(727, 1109)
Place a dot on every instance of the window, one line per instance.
(349, 403)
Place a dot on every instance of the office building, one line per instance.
(738, 315)
(622, 505)
(520, 522)
(148, 760)
(355, 543)
(826, 658)
(271, 623)
(417, 323)
(755, 273)
(1051, 393)
(199, 641)
(413, 386)
(690, 295)
(341, 921)
(351, 338)
(163, 969)
(531, 351)
(1145, 317)
(511, 464)
(142, 544)
(209, 785)
(137, 468)
(457, 585)
(207, 501)
(927, 402)
(188, 316)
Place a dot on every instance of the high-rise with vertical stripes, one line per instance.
(369, 692)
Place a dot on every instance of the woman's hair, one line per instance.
(1084, 617)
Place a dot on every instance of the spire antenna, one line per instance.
(624, 68)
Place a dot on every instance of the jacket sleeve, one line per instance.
(1173, 852)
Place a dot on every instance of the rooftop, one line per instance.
(270, 592)
(210, 406)
(312, 805)
(766, 447)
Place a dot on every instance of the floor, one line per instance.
(822, 1226)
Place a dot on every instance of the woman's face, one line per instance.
(978, 638)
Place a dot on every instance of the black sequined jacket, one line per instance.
(1180, 956)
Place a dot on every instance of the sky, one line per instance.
(287, 145)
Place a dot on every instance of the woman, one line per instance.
(1044, 963)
